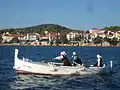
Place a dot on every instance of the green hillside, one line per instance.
(39, 28)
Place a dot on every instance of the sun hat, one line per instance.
(74, 53)
(98, 56)
(64, 53)
(61, 53)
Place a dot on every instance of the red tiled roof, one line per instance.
(15, 35)
(53, 34)
(95, 29)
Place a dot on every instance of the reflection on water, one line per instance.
(45, 82)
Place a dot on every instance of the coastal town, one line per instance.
(92, 37)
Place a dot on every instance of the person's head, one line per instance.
(74, 53)
(98, 56)
(63, 53)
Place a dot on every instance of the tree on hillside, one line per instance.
(77, 38)
(112, 28)
(98, 40)
(39, 28)
(63, 39)
(15, 40)
(114, 41)
(1, 39)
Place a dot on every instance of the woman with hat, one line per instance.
(64, 59)
(76, 59)
(99, 61)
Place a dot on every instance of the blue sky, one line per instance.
(75, 14)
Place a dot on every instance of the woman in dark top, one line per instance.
(64, 59)
(76, 59)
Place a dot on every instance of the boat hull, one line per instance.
(23, 66)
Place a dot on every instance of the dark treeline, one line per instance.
(112, 28)
(51, 28)
(39, 29)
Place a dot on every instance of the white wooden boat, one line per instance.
(23, 66)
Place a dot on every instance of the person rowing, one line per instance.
(76, 59)
(63, 58)
(99, 61)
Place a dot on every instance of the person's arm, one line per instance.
(59, 57)
(98, 63)
(74, 58)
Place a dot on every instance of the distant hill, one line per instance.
(39, 28)
(51, 28)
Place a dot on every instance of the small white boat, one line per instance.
(23, 66)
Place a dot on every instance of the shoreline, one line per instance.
(62, 45)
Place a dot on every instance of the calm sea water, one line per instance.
(10, 81)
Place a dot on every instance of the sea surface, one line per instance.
(10, 81)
